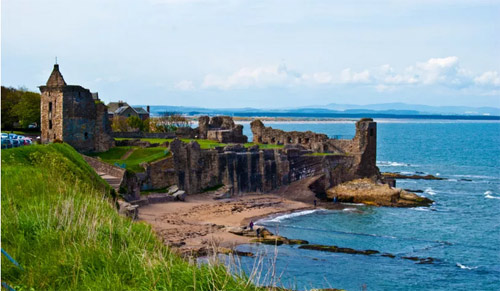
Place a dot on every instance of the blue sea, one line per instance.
(461, 230)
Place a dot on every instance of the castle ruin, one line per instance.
(72, 114)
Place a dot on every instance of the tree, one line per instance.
(28, 109)
(119, 124)
(19, 106)
(137, 123)
(170, 121)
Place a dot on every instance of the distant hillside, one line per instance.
(389, 110)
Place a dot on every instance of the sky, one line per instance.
(259, 53)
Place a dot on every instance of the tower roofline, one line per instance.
(56, 79)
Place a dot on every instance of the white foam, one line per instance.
(290, 215)
(465, 267)
(491, 197)
(392, 164)
(488, 192)
(349, 209)
(357, 204)
(421, 208)
(430, 191)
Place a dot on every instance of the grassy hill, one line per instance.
(59, 223)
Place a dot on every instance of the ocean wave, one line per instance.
(349, 209)
(290, 215)
(392, 164)
(465, 267)
(488, 192)
(430, 191)
(421, 208)
(491, 197)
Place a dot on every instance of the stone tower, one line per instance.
(69, 113)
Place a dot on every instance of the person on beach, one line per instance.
(251, 225)
(258, 232)
(315, 203)
(335, 199)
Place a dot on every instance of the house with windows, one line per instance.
(121, 108)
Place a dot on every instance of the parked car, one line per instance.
(5, 135)
(15, 143)
(6, 143)
(27, 141)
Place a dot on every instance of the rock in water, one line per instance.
(368, 192)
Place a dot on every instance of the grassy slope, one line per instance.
(57, 224)
(132, 163)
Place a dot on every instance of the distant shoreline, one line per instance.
(332, 117)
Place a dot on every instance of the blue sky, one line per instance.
(259, 53)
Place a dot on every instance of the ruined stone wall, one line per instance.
(103, 139)
(253, 170)
(363, 147)
(143, 134)
(268, 135)
(79, 118)
(160, 174)
(221, 129)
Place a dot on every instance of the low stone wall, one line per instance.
(143, 134)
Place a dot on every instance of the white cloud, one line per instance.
(185, 85)
(346, 76)
(435, 71)
(254, 77)
(488, 78)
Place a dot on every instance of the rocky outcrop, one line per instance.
(368, 192)
(414, 177)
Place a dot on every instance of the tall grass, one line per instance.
(60, 225)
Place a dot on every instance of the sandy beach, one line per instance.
(201, 222)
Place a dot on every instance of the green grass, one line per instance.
(59, 225)
(264, 146)
(132, 163)
(205, 143)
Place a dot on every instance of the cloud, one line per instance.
(185, 85)
(260, 77)
(488, 78)
(347, 76)
(433, 72)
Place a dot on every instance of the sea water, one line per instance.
(461, 230)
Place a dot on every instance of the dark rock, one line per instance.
(417, 177)
(296, 242)
(335, 249)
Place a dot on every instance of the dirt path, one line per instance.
(127, 154)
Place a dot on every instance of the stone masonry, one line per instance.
(221, 129)
(255, 170)
(69, 113)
